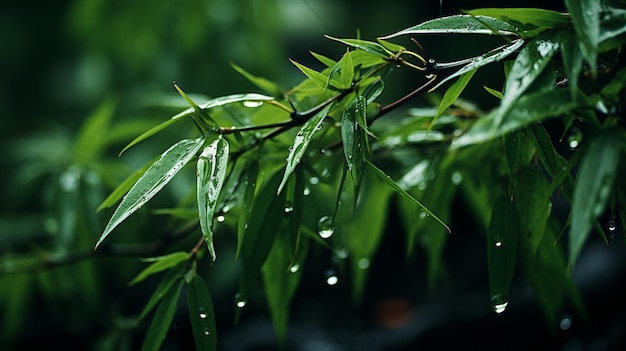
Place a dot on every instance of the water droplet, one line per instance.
(423, 215)
(573, 140)
(306, 192)
(341, 253)
(252, 103)
(206, 332)
(457, 178)
(288, 209)
(314, 180)
(499, 303)
(220, 218)
(498, 240)
(364, 263)
(203, 313)
(565, 323)
(612, 225)
(325, 172)
(240, 300)
(156, 165)
(294, 268)
(326, 227)
(331, 277)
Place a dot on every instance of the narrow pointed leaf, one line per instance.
(92, 137)
(268, 86)
(532, 201)
(528, 21)
(162, 319)
(585, 16)
(318, 78)
(153, 180)
(354, 138)
(203, 115)
(347, 70)
(367, 46)
(217, 102)
(160, 264)
(172, 276)
(201, 315)
(328, 62)
(249, 181)
(490, 57)
(496, 93)
(453, 93)
(459, 24)
(403, 192)
(502, 241)
(211, 172)
(301, 143)
(593, 186)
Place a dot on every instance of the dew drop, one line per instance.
(252, 103)
(457, 178)
(306, 192)
(612, 225)
(220, 218)
(341, 253)
(423, 215)
(364, 263)
(326, 227)
(565, 323)
(499, 303)
(331, 277)
(573, 140)
(240, 300)
(288, 209)
(294, 268)
(314, 180)
(498, 240)
(203, 313)
(206, 332)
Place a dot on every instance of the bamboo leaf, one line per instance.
(201, 314)
(92, 137)
(159, 264)
(354, 139)
(502, 239)
(593, 186)
(249, 180)
(174, 274)
(403, 192)
(585, 16)
(152, 181)
(528, 21)
(211, 172)
(459, 24)
(162, 319)
(453, 92)
(266, 85)
(347, 70)
(302, 141)
(364, 45)
(318, 78)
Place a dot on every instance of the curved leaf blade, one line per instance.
(201, 315)
(152, 181)
(592, 189)
(174, 274)
(453, 93)
(266, 85)
(458, 24)
(301, 143)
(529, 21)
(162, 319)
(159, 264)
(364, 45)
(211, 172)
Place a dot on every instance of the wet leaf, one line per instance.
(585, 16)
(347, 70)
(302, 141)
(502, 240)
(529, 21)
(204, 120)
(453, 93)
(594, 183)
(353, 138)
(532, 201)
(211, 172)
(201, 314)
(123, 188)
(459, 24)
(328, 62)
(364, 45)
(153, 180)
(249, 181)
(159, 264)
(174, 274)
(266, 85)
(321, 79)
(162, 319)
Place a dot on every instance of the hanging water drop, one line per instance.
(288, 209)
(252, 103)
(341, 253)
(612, 225)
(457, 177)
(206, 332)
(294, 268)
(498, 240)
(499, 303)
(203, 313)
(220, 218)
(306, 192)
(565, 323)
(573, 140)
(331, 277)
(364, 263)
(326, 227)
(240, 301)
(314, 180)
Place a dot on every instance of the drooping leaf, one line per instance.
(585, 16)
(459, 24)
(153, 180)
(211, 172)
(502, 240)
(532, 201)
(159, 264)
(528, 65)
(528, 21)
(453, 93)
(302, 141)
(593, 186)
(174, 274)
(123, 188)
(353, 138)
(201, 314)
(217, 102)
(268, 86)
(249, 182)
(367, 46)
(162, 319)
(485, 59)
(496, 93)
(403, 192)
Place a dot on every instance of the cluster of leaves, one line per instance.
(317, 165)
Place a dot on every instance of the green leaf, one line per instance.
(528, 65)
(485, 59)
(530, 21)
(204, 119)
(585, 16)
(391, 46)
(328, 62)
(302, 141)
(153, 180)
(532, 201)
(92, 137)
(162, 319)
(458, 24)
(201, 315)
(502, 239)
(354, 138)
(268, 86)
(211, 172)
(364, 45)
(123, 188)
(174, 274)
(159, 264)
(347, 71)
(593, 186)
(453, 93)
(403, 192)
(496, 93)
(318, 78)
(217, 102)
(249, 181)
(528, 109)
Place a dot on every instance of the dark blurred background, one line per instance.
(61, 59)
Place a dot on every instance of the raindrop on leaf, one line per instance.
(326, 227)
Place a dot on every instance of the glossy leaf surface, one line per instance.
(159, 264)
(201, 314)
(162, 319)
(458, 24)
